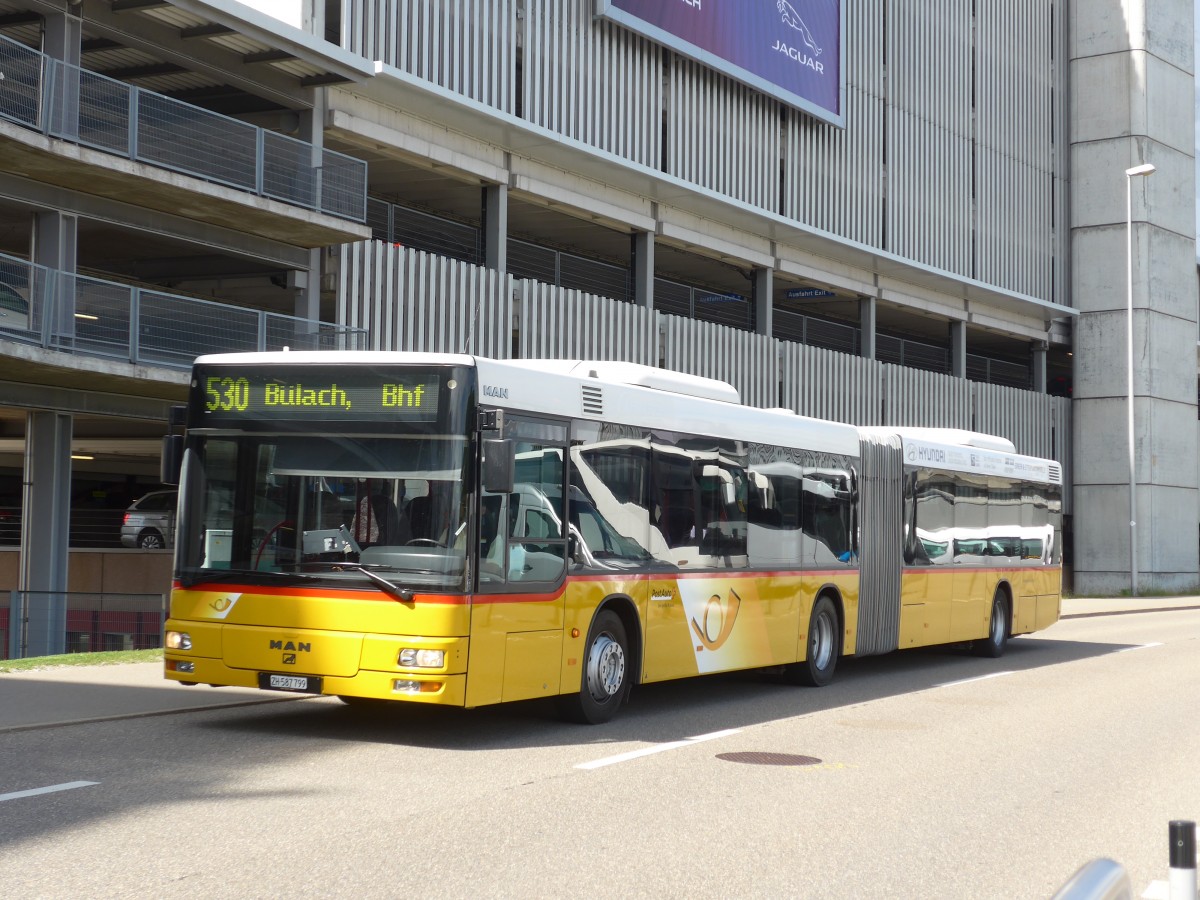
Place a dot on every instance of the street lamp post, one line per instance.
(1130, 174)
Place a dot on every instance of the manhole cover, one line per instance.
(769, 759)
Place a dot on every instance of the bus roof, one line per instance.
(601, 390)
(957, 450)
(652, 398)
(631, 394)
(335, 358)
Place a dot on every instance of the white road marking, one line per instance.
(1157, 890)
(1139, 647)
(973, 680)
(657, 748)
(33, 792)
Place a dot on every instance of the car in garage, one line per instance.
(150, 521)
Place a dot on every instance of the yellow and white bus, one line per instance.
(448, 529)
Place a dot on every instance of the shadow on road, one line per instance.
(207, 755)
(699, 705)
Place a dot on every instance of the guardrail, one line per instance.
(430, 233)
(90, 316)
(86, 108)
(43, 623)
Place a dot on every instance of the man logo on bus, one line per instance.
(718, 621)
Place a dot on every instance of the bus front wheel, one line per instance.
(605, 677)
(997, 640)
(816, 669)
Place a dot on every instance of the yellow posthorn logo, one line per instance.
(221, 604)
(719, 618)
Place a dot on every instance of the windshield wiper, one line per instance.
(404, 595)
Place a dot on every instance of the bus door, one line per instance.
(974, 566)
(517, 618)
(928, 582)
(614, 545)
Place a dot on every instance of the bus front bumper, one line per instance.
(411, 687)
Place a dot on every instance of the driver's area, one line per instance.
(331, 505)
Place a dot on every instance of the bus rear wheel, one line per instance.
(816, 669)
(605, 677)
(994, 644)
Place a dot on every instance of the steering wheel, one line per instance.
(283, 523)
(424, 542)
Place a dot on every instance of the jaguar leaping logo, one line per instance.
(792, 18)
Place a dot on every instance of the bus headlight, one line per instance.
(422, 659)
(177, 640)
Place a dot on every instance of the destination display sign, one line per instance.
(233, 396)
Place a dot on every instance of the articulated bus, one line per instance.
(447, 529)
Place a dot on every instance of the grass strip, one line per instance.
(79, 659)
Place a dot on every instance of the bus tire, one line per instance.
(816, 669)
(994, 644)
(605, 677)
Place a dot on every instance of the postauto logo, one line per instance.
(717, 621)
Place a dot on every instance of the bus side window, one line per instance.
(537, 515)
(491, 538)
(933, 519)
(825, 513)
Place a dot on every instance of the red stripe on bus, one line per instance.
(948, 568)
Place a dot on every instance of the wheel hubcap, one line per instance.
(605, 668)
(821, 648)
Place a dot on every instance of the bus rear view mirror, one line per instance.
(172, 459)
(499, 464)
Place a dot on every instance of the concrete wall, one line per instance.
(100, 571)
(1132, 102)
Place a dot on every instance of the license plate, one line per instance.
(301, 684)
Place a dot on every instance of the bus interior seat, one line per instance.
(420, 516)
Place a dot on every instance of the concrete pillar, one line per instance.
(495, 227)
(1131, 67)
(307, 283)
(1037, 366)
(61, 36)
(642, 253)
(313, 17)
(55, 246)
(62, 33)
(764, 301)
(44, 529)
(958, 349)
(866, 327)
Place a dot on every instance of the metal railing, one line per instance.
(94, 317)
(425, 231)
(86, 108)
(43, 623)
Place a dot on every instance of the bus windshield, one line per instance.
(341, 509)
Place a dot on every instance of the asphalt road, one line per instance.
(921, 774)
